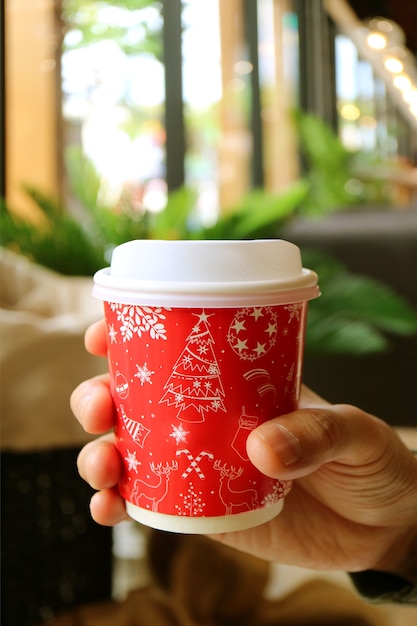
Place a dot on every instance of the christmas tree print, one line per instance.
(194, 386)
(192, 504)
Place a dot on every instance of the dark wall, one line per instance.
(383, 245)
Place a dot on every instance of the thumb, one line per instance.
(296, 444)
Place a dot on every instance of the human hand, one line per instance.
(353, 505)
(99, 462)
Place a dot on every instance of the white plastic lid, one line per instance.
(206, 273)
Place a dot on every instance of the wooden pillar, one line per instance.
(280, 142)
(31, 100)
(235, 142)
(2, 107)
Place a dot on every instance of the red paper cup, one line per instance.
(205, 343)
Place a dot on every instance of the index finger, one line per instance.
(95, 339)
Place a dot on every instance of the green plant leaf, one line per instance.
(259, 214)
(262, 211)
(174, 221)
(355, 314)
(340, 335)
(362, 298)
(83, 177)
(58, 242)
(319, 143)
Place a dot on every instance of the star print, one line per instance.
(257, 313)
(241, 345)
(132, 461)
(238, 326)
(203, 317)
(260, 348)
(271, 330)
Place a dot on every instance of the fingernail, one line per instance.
(281, 441)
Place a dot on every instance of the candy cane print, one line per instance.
(194, 462)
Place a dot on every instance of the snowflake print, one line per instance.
(112, 334)
(132, 461)
(294, 311)
(187, 361)
(202, 348)
(144, 374)
(179, 434)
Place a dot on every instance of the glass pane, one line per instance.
(113, 98)
(202, 93)
(279, 82)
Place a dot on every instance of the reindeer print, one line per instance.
(246, 499)
(148, 495)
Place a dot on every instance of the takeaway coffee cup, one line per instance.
(205, 343)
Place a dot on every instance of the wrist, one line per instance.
(401, 559)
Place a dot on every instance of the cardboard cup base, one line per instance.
(203, 525)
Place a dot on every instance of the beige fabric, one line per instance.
(43, 317)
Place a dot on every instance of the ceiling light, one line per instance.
(392, 31)
(393, 65)
(410, 95)
(377, 41)
(402, 82)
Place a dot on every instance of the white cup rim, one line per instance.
(223, 273)
(268, 292)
